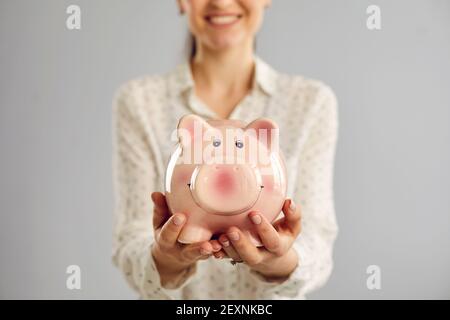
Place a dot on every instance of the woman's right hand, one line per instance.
(171, 257)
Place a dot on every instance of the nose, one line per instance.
(226, 189)
(224, 179)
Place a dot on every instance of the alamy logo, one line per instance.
(73, 281)
(374, 279)
(204, 144)
(374, 19)
(73, 21)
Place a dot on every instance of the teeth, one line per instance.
(223, 19)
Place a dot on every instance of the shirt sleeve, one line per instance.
(314, 194)
(135, 178)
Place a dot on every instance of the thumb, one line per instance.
(292, 216)
(161, 211)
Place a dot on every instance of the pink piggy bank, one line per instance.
(220, 171)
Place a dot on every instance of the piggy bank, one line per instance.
(221, 170)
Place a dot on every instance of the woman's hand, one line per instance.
(171, 257)
(277, 258)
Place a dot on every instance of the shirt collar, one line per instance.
(265, 78)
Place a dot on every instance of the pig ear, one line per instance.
(187, 126)
(266, 131)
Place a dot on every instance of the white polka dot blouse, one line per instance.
(146, 111)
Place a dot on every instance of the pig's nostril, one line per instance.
(236, 168)
(216, 167)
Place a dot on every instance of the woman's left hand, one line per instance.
(277, 258)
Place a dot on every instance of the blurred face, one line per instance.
(221, 24)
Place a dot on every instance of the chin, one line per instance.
(226, 42)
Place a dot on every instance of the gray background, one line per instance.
(392, 165)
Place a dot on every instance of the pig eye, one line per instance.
(239, 144)
(216, 143)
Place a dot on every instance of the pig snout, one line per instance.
(225, 189)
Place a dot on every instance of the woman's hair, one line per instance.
(192, 46)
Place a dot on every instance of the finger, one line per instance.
(196, 251)
(220, 254)
(292, 216)
(228, 248)
(206, 250)
(267, 233)
(217, 249)
(244, 247)
(161, 212)
(171, 230)
(215, 245)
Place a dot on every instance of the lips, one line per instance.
(222, 19)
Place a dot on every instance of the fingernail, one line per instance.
(256, 219)
(225, 243)
(292, 205)
(204, 251)
(233, 236)
(178, 220)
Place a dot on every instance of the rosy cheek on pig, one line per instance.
(267, 183)
(183, 177)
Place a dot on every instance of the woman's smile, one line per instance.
(222, 20)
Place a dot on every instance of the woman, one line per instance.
(224, 79)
